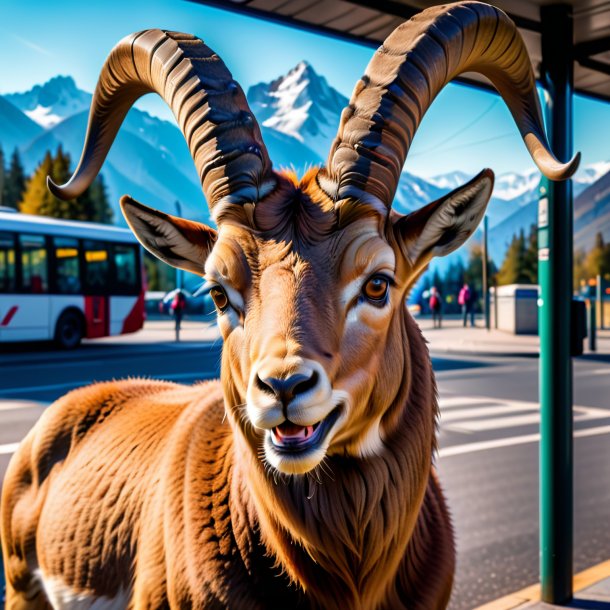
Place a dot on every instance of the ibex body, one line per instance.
(303, 479)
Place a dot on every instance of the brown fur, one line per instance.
(145, 494)
(159, 490)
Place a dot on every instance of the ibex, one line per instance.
(304, 478)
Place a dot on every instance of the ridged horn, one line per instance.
(405, 75)
(211, 109)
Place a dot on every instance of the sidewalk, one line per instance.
(591, 592)
(453, 337)
(162, 331)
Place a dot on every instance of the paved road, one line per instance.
(488, 438)
(489, 467)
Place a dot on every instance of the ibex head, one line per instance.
(310, 277)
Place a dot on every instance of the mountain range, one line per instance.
(299, 113)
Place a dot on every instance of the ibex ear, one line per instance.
(178, 242)
(444, 225)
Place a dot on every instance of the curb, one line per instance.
(98, 352)
(481, 354)
(531, 594)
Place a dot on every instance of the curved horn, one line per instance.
(405, 75)
(222, 134)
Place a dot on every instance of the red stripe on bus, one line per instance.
(135, 318)
(9, 316)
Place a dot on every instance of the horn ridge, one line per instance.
(210, 107)
(404, 77)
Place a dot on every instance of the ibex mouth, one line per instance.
(292, 438)
(288, 433)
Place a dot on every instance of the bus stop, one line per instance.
(569, 45)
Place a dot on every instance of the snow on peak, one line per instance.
(300, 104)
(591, 173)
(51, 102)
(512, 185)
(451, 180)
(44, 116)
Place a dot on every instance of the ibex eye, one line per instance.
(219, 296)
(376, 289)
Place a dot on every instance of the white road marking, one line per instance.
(497, 423)
(512, 441)
(593, 372)
(17, 405)
(509, 413)
(462, 401)
(497, 409)
(9, 448)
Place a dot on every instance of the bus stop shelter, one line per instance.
(569, 45)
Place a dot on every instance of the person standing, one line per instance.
(466, 300)
(178, 306)
(436, 307)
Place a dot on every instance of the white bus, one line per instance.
(64, 280)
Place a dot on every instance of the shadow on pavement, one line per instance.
(596, 357)
(450, 364)
(589, 604)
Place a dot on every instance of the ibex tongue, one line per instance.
(292, 432)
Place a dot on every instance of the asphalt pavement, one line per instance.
(488, 458)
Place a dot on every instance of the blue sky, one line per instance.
(466, 129)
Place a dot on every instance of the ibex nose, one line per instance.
(288, 388)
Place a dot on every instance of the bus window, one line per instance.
(125, 268)
(7, 262)
(67, 272)
(34, 271)
(96, 267)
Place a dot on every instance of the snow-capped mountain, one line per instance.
(450, 181)
(149, 159)
(523, 188)
(589, 174)
(414, 192)
(300, 104)
(299, 113)
(511, 186)
(15, 127)
(52, 102)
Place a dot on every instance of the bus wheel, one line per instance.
(69, 330)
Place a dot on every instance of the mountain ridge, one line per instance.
(298, 113)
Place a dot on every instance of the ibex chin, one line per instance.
(304, 478)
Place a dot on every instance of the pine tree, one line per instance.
(598, 260)
(473, 274)
(14, 185)
(581, 275)
(93, 203)
(530, 257)
(37, 198)
(60, 173)
(512, 269)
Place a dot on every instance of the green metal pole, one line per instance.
(555, 277)
(486, 274)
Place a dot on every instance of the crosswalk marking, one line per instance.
(449, 402)
(512, 441)
(8, 448)
(461, 413)
(458, 414)
(16, 405)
